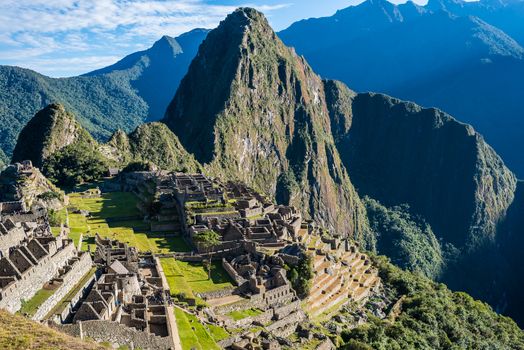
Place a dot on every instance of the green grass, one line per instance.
(218, 333)
(241, 314)
(115, 215)
(193, 334)
(191, 278)
(31, 306)
(60, 217)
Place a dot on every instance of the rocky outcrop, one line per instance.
(49, 131)
(250, 109)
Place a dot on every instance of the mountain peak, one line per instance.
(250, 109)
(167, 43)
(50, 130)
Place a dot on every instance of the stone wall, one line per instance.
(285, 310)
(11, 239)
(116, 334)
(239, 280)
(64, 315)
(69, 281)
(34, 279)
(287, 325)
(221, 293)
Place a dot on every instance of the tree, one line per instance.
(208, 240)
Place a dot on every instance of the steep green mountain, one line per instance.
(54, 141)
(121, 96)
(151, 143)
(469, 67)
(251, 109)
(400, 153)
(48, 132)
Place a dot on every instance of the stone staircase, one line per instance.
(341, 275)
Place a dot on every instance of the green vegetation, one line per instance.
(75, 164)
(433, 317)
(405, 238)
(208, 240)
(193, 334)
(31, 306)
(154, 143)
(138, 166)
(115, 215)
(50, 195)
(187, 279)
(301, 276)
(241, 314)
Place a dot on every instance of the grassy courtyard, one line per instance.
(31, 306)
(191, 278)
(195, 335)
(115, 215)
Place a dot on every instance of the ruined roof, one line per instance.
(118, 268)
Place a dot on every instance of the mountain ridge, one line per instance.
(470, 56)
(127, 95)
(243, 72)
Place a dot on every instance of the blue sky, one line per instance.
(69, 37)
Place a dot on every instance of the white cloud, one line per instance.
(31, 31)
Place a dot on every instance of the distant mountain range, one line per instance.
(464, 57)
(122, 96)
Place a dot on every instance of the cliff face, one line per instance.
(251, 109)
(49, 131)
(399, 153)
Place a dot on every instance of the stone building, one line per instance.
(126, 306)
(108, 251)
(29, 265)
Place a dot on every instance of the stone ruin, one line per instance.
(32, 259)
(125, 307)
(21, 182)
(109, 250)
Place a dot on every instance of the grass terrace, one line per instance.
(195, 335)
(191, 278)
(115, 215)
(31, 306)
(241, 314)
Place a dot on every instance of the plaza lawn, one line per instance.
(191, 278)
(29, 307)
(241, 314)
(193, 334)
(115, 215)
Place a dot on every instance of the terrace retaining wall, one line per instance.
(69, 281)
